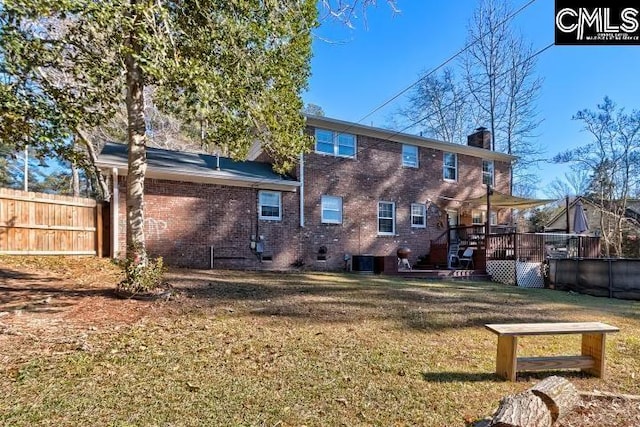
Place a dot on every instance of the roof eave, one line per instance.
(405, 138)
(220, 178)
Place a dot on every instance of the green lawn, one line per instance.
(266, 349)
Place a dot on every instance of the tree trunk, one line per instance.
(558, 394)
(522, 410)
(75, 179)
(137, 164)
(91, 151)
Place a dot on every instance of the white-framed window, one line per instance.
(487, 172)
(409, 156)
(450, 167)
(480, 217)
(270, 205)
(335, 143)
(386, 218)
(331, 207)
(418, 215)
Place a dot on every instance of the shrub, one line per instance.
(140, 278)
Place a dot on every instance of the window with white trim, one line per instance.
(335, 143)
(386, 218)
(331, 207)
(418, 215)
(480, 217)
(409, 156)
(270, 205)
(487, 172)
(450, 167)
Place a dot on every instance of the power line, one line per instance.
(420, 120)
(442, 64)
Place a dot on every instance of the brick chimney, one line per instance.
(481, 138)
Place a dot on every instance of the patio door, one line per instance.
(453, 219)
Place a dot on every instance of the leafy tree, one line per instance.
(612, 157)
(238, 66)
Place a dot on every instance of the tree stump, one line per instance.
(522, 410)
(558, 394)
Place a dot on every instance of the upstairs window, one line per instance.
(331, 210)
(386, 218)
(487, 172)
(450, 167)
(335, 144)
(270, 205)
(418, 215)
(409, 156)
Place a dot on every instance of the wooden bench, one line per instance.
(591, 360)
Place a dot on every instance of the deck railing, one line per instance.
(537, 247)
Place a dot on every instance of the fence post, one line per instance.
(99, 229)
(610, 279)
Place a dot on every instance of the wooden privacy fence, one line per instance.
(47, 224)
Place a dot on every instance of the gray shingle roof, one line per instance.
(182, 165)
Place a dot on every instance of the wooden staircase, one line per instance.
(438, 267)
(431, 274)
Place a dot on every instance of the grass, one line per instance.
(265, 349)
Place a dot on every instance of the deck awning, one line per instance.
(500, 200)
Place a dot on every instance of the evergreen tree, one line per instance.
(237, 65)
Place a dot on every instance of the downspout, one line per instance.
(115, 200)
(301, 179)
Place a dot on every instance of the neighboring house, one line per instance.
(594, 214)
(362, 190)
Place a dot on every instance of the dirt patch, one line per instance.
(53, 304)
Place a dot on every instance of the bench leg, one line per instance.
(593, 345)
(507, 357)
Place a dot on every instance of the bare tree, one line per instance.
(499, 69)
(613, 159)
(438, 103)
(346, 11)
(574, 183)
(163, 130)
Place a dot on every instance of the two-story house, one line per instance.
(362, 190)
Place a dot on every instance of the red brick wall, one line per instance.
(183, 220)
(377, 175)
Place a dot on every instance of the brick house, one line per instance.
(362, 190)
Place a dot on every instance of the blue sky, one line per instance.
(359, 69)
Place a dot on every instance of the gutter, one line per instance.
(222, 178)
